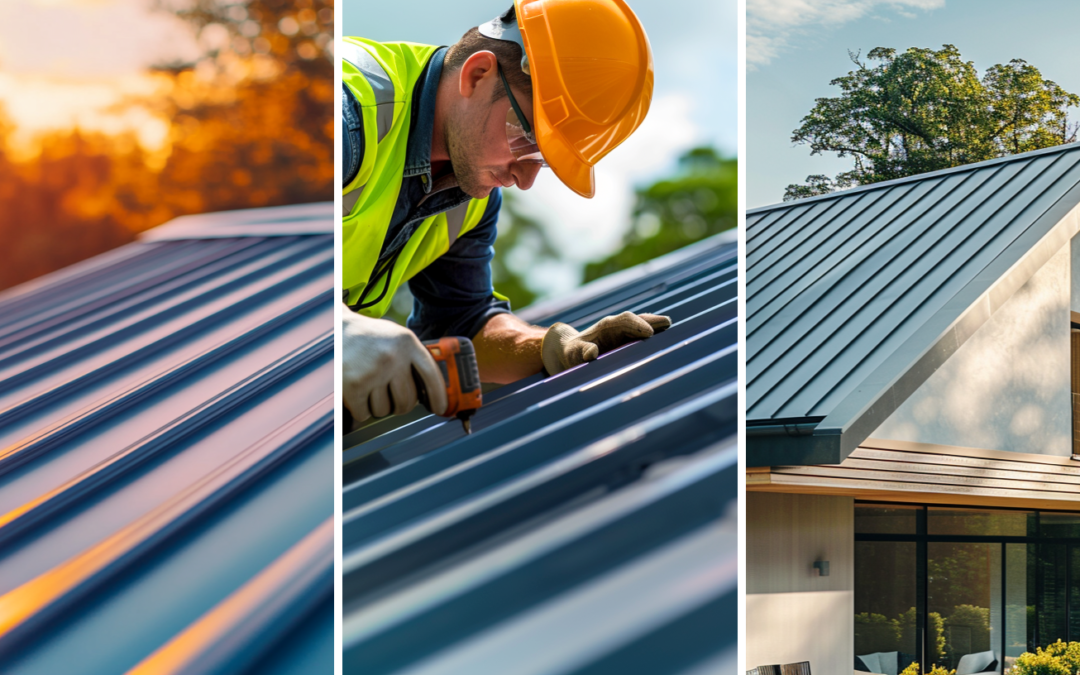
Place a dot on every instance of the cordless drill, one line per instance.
(456, 359)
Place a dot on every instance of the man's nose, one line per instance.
(525, 173)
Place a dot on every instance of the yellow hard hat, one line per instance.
(592, 79)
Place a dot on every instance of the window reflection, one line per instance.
(885, 620)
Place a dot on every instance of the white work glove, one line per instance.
(376, 370)
(564, 347)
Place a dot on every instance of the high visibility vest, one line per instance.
(382, 77)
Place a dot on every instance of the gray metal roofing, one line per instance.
(855, 298)
(166, 471)
(588, 523)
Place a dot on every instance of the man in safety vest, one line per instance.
(430, 134)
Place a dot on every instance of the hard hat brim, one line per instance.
(561, 158)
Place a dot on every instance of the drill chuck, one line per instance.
(456, 359)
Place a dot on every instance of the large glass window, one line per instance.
(935, 584)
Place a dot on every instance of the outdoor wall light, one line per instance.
(822, 567)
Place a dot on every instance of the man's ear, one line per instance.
(476, 72)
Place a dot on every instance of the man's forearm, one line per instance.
(508, 349)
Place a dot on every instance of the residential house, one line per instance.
(913, 483)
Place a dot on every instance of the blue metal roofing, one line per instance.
(166, 471)
(855, 298)
(588, 524)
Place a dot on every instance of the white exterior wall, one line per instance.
(1007, 387)
(792, 614)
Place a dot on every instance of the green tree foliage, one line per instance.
(968, 630)
(700, 200)
(877, 633)
(923, 110)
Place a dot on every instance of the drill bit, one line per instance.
(468, 426)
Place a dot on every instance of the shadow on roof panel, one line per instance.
(166, 419)
(520, 544)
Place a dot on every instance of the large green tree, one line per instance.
(922, 110)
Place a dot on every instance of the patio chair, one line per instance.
(979, 662)
(802, 668)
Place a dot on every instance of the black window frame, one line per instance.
(922, 539)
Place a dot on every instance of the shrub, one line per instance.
(1059, 658)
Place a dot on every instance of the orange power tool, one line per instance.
(457, 362)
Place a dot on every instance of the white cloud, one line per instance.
(771, 24)
(587, 229)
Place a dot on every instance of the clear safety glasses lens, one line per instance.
(519, 134)
(522, 142)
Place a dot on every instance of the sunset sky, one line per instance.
(64, 62)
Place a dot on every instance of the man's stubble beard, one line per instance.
(463, 138)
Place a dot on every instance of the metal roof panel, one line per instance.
(166, 425)
(456, 547)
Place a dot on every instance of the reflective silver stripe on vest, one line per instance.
(455, 218)
(349, 200)
(379, 81)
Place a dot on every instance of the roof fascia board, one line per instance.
(904, 371)
(784, 450)
(917, 177)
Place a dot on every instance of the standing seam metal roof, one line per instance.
(588, 523)
(166, 425)
(855, 298)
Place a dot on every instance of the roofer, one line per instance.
(430, 134)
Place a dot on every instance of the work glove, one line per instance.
(563, 347)
(376, 371)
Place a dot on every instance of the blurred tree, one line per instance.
(700, 200)
(924, 110)
(253, 119)
(66, 204)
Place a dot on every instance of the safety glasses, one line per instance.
(519, 133)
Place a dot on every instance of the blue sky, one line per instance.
(795, 48)
(694, 46)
